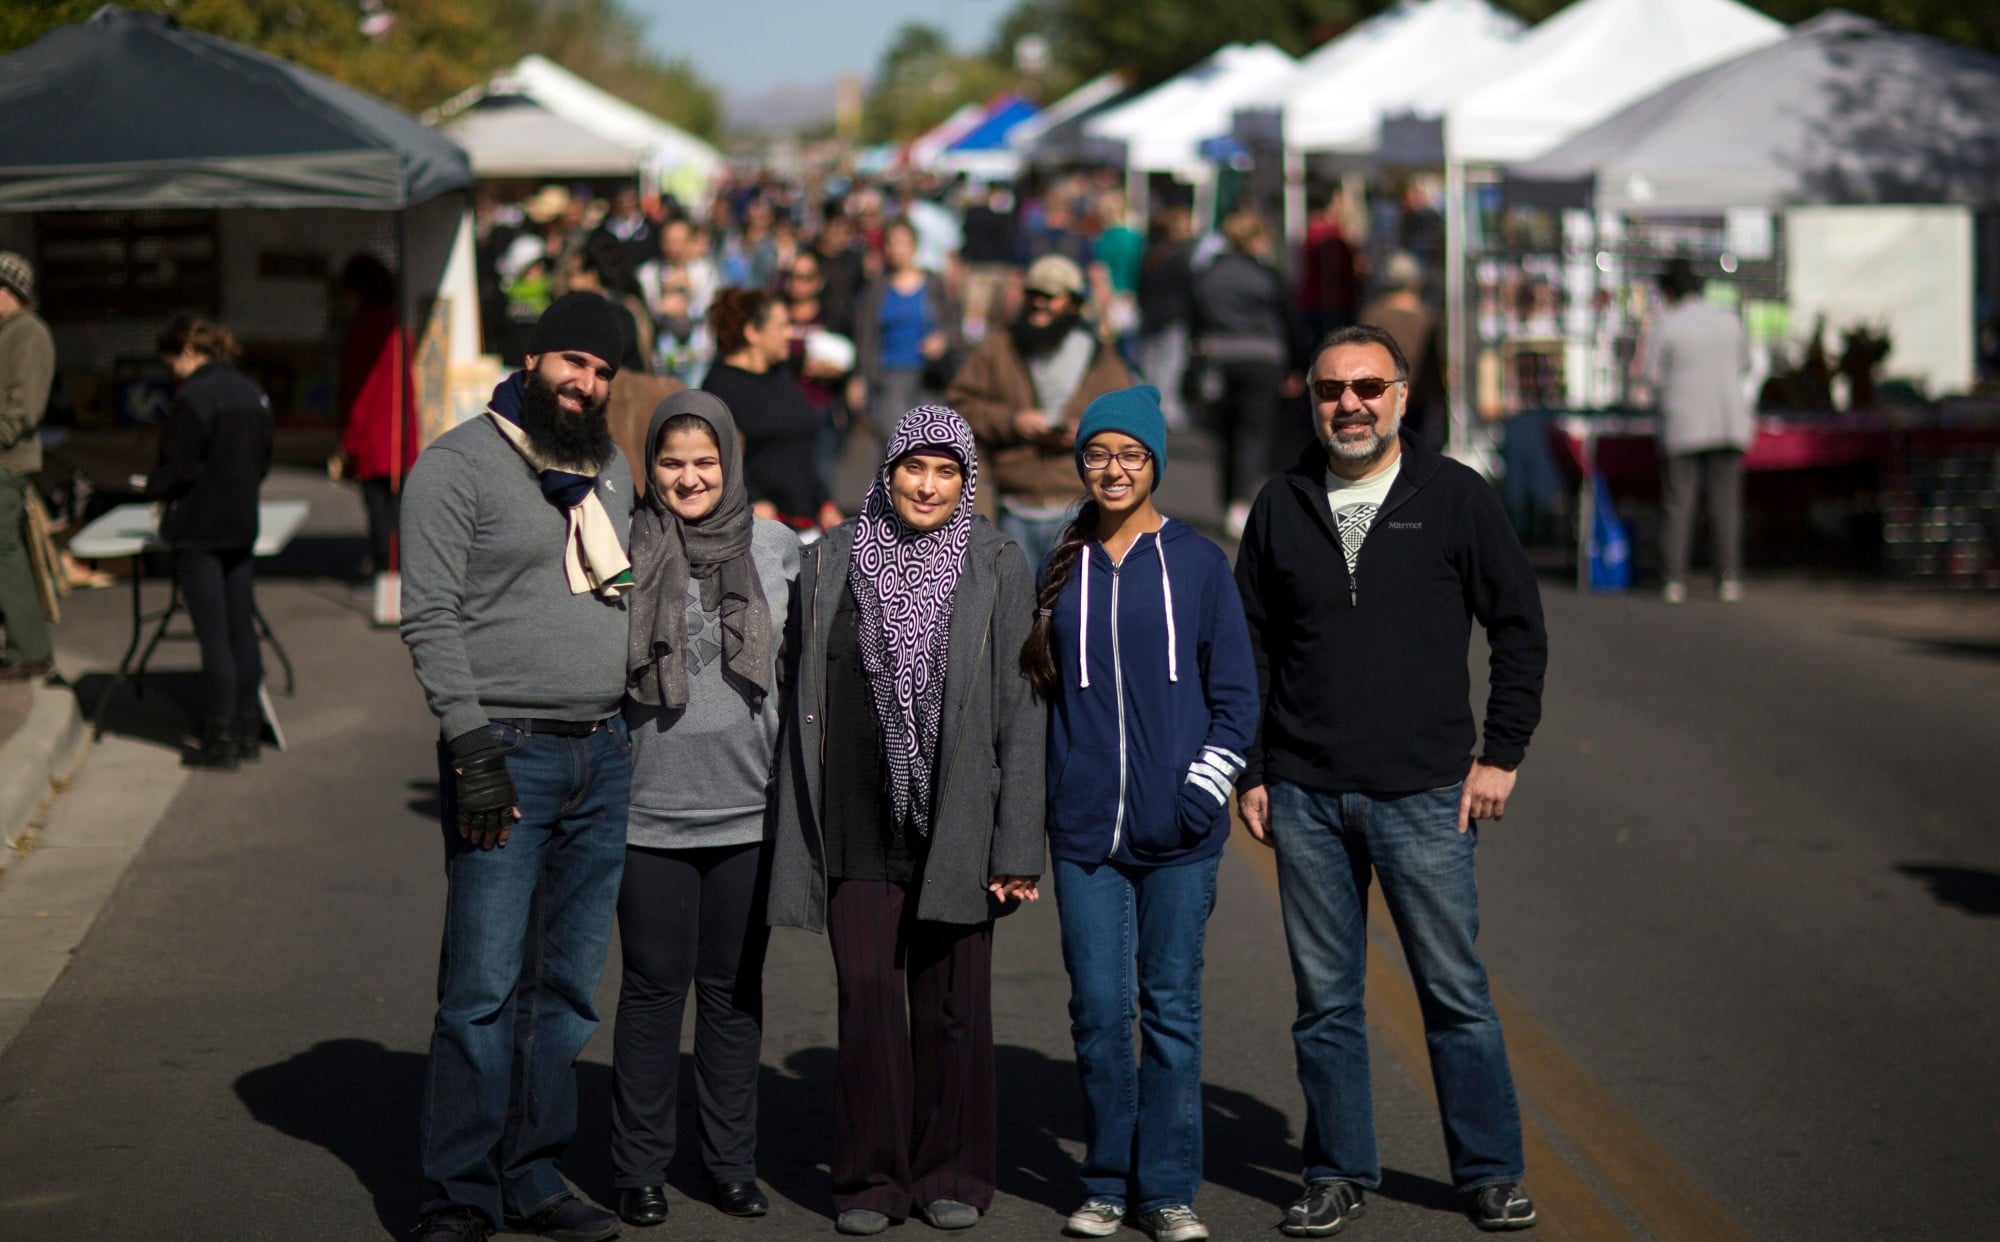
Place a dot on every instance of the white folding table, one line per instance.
(133, 530)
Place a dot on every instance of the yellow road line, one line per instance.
(1633, 1170)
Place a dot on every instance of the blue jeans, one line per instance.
(525, 930)
(1327, 844)
(1137, 933)
(1037, 536)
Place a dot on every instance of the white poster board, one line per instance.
(1909, 268)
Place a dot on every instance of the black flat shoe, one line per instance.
(573, 1220)
(741, 1199)
(643, 1205)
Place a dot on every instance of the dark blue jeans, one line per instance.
(1137, 933)
(525, 930)
(1327, 845)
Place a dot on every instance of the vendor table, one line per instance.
(1623, 450)
(133, 530)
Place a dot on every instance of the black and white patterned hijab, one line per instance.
(904, 582)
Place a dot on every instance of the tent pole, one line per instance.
(1457, 375)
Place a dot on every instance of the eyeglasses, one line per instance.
(1367, 388)
(1127, 459)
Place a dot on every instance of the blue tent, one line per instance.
(991, 133)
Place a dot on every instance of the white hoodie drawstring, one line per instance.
(1083, 628)
(1167, 589)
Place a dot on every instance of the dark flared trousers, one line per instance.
(217, 588)
(691, 917)
(913, 1111)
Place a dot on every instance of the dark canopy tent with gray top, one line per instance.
(1842, 111)
(129, 110)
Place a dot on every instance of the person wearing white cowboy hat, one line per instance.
(27, 370)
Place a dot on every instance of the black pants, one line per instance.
(216, 587)
(914, 1116)
(689, 917)
(1257, 439)
(384, 505)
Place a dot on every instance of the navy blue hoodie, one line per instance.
(1158, 702)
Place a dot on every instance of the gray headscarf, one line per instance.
(715, 551)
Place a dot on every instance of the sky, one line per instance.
(753, 47)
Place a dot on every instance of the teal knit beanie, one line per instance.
(1132, 411)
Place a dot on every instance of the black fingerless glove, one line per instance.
(485, 792)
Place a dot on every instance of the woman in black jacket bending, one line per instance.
(215, 449)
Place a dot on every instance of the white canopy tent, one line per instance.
(1337, 99)
(517, 138)
(1587, 62)
(1162, 129)
(668, 156)
(1031, 138)
(1575, 69)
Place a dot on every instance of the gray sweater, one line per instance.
(487, 611)
(701, 775)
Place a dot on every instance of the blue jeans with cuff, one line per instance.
(525, 932)
(1327, 845)
(1132, 937)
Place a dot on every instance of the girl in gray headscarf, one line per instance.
(713, 589)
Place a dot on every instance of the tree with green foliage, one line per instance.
(428, 50)
(920, 81)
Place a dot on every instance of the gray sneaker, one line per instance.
(1175, 1222)
(1323, 1209)
(1097, 1218)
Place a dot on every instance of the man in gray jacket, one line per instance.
(515, 531)
(27, 368)
(1697, 362)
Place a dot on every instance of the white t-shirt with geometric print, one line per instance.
(1355, 502)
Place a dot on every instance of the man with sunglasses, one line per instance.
(1023, 391)
(1361, 570)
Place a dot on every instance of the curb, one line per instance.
(38, 760)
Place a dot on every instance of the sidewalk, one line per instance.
(43, 739)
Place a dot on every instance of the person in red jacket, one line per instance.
(375, 386)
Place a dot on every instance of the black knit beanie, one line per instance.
(580, 321)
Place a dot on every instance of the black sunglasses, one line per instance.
(1367, 388)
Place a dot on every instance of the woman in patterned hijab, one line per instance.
(909, 549)
(910, 818)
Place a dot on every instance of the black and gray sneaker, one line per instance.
(1327, 1205)
(1502, 1207)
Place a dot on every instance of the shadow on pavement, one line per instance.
(359, 1101)
(162, 711)
(1969, 889)
(1964, 648)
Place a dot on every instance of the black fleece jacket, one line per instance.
(215, 449)
(1364, 677)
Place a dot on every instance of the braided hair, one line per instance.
(1038, 656)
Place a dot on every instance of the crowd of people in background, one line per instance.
(892, 290)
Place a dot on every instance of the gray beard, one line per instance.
(1362, 452)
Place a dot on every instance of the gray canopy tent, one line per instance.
(130, 110)
(1843, 110)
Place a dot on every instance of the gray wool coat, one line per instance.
(988, 817)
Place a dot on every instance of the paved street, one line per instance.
(1744, 918)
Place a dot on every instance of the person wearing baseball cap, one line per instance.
(516, 529)
(1023, 391)
(27, 370)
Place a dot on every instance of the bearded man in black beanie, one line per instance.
(515, 538)
(1023, 391)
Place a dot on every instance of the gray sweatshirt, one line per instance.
(701, 776)
(487, 611)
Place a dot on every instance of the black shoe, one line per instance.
(1323, 1209)
(741, 1198)
(454, 1225)
(217, 751)
(643, 1205)
(573, 1220)
(1502, 1207)
(250, 737)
